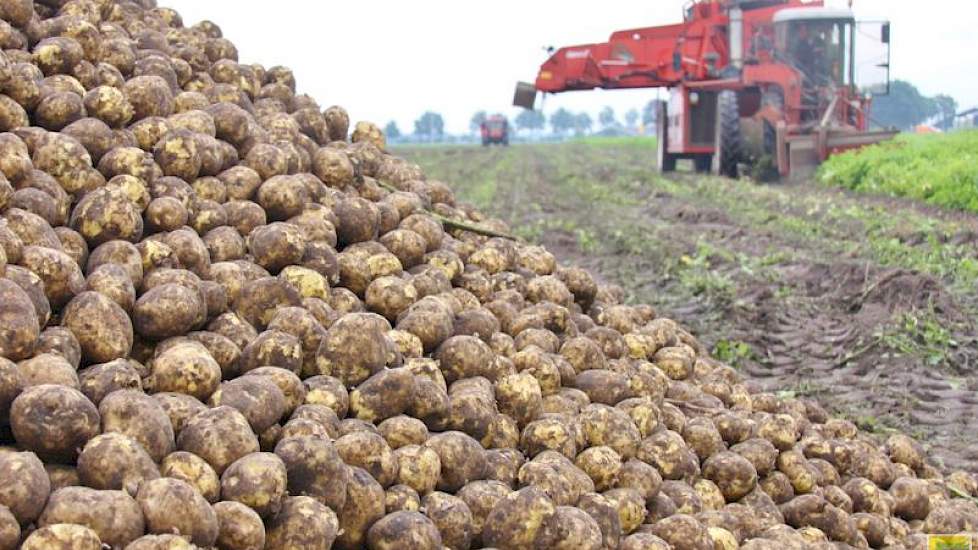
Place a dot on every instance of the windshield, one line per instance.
(821, 49)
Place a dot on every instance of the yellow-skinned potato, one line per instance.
(62, 536)
(53, 421)
(405, 529)
(194, 470)
(418, 467)
(258, 398)
(114, 515)
(384, 395)
(140, 417)
(239, 527)
(364, 505)
(369, 451)
(452, 517)
(115, 461)
(173, 506)
(315, 469)
(401, 498)
(520, 520)
(257, 480)
(220, 436)
(27, 487)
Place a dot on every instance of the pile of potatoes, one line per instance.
(228, 321)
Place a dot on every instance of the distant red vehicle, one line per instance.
(495, 129)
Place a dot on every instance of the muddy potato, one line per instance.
(258, 398)
(390, 296)
(761, 453)
(401, 498)
(19, 319)
(231, 326)
(115, 462)
(134, 414)
(186, 368)
(61, 276)
(520, 520)
(53, 421)
(272, 348)
(149, 96)
(161, 542)
(109, 105)
(364, 504)
(220, 436)
(113, 515)
(9, 529)
(224, 244)
(276, 246)
(733, 474)
(369, 451)
(910, 496)
(166, 214)
(430, 319)
(576, 529)
(102, 327)
(113, 282)
(26, 485)
(519, 396)
(173, 506)
(192, 469)
(419, 467)
(239, 527)
(384, 395)
(405, 529)
(47, 368)
(327, 391)
(257, 480)
(462, 459)
(604, 425)
(314, 469)
(257, 301)
(167, 310)
(62, 536)
(601, 464)
(355, 347)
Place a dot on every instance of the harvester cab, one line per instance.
(768, 86)
(494, 130)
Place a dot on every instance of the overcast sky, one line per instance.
(391, 60)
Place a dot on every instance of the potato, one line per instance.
(911, 498)
(404, 529)
(302, 523)
(457, 471)
(149, 96)
(276, 245)
(109, 105)
(258, 398)
(257, 480)
(267, 160)
(140, 417)
(161, 542)
(9, 529)
(604, 425)
(220, 436)
(521, 520)
(451, 517)
(733, 474)
(167, 310)
(113, 515)
(186, 368)
(60, 274)
(545, 434)
(384, 395)
(257, 302)
(102, 327)
(576, 529)
(418, 467)
(26, 489)
(62, 536)
(192, 469)
(173, 506)
(115, 461)
(53, 421)
(683, 532)
(314, 467)
(327, 391)
(19, 319)
(464, 357)
(370, 452)
(354, 348)
(239, 527)
(759, 452)
(400, 498)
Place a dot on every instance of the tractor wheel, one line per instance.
(729, 140)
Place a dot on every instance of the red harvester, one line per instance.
(771, 85)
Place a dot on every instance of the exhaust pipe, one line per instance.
(525, 96)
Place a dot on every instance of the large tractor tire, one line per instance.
(729, 140)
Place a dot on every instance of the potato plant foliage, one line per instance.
(231, 319)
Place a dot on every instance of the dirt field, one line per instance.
(868, 304)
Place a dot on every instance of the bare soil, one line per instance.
(865, 303)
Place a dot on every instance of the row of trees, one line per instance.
(905, 107)
(430, 126)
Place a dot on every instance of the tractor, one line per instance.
(768, 88)
(494, 129)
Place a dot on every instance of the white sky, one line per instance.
(391, 60)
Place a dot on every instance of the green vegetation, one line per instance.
(939, 169)
(646, 142)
